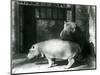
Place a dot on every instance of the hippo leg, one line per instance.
(50, 62)
(70, 63)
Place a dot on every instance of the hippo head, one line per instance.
(33, 51)
(69, 26)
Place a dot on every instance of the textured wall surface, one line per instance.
(48, 29)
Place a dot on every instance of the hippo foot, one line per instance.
(67, 67)
(49, 66)
(70, 63)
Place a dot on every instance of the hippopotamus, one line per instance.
(55, 49)
(71, 32)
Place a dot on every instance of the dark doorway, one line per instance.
(29, 27)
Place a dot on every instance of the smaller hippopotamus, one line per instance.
(69, 27)
(55, 49)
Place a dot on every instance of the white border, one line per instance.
(86, 2)
(5, 36)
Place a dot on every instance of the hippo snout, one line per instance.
(28, 57)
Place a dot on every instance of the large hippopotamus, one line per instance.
(55, 49)
(71, 32)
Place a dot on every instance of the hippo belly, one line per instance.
(59, 49)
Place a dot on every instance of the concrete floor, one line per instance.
(21, 65)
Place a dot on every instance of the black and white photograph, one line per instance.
(52, 37)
